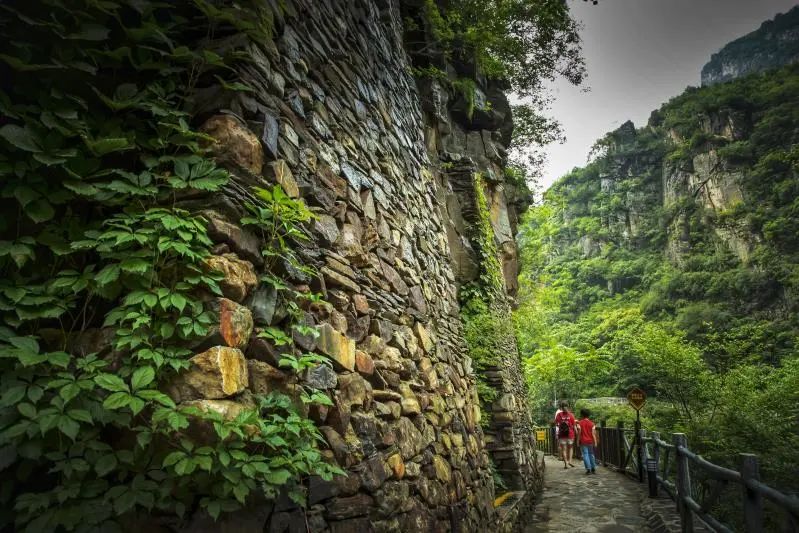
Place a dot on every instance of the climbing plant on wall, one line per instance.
(486, 327)
(96, 149)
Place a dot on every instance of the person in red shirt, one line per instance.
(587, 437)
(564, 429)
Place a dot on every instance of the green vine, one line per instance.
(486, 326)
(96, 151)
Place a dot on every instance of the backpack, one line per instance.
(563, 427)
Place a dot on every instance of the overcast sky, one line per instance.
(640, 53)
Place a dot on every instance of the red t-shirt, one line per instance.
(586, 431)
(569, 420)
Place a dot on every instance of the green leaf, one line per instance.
(22, 138)
(173, 458)
(39, 210)
(60, 359)
(135, 265)
(27, 410)
(111, 383)
(105, 464)
(157, 396)
(278, 477)
(125, 502)
(214, 508)
(142, 377)
(240, 492)
(117, 400)
(13, 395)
(81, 415)
(178, 301)
(106, 146)
(68, 392)
(108, 274)
(25, 195)
(27, 344)
(68, 427)
(136, 405)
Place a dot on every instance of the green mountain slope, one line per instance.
(672, 262)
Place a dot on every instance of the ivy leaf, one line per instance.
(106, 146)
(135, 264)
(240, 492)
(117, 400)
(142, 377)
(60, 359)
(68, 392)
(68, 427)
(125, 502)
(278, 477)
(111, 383)
(157, 396)
(13, 395)
(214, 508)
(108, 274)
(81, 415)
(27, 344)
(178, 301)
(173, 458)
(25, 195)
(136, 405)
(80, 187)
(105, 464)
(90, 32)
(39, 210)
(27, 410)
(22, 138)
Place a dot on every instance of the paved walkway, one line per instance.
(574, 502)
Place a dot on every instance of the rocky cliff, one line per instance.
(774, 44)
(387, 164)
(689, 216)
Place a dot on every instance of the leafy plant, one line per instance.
(96, 153)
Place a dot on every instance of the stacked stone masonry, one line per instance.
(337, 119)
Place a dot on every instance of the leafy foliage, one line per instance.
(487, 329)
(635, 274)
(95, 151)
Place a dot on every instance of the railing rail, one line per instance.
(658, 453)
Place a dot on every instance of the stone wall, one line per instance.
(337, 119)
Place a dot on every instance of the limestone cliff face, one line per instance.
(641, 187)
(774, 44)
(386, 165)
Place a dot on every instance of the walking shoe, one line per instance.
(593, 470)
(587, 472)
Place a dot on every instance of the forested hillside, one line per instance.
(671, 262)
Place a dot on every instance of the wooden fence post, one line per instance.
(620, 451)
(752, 500)
(603, 444)
(683, 484)
(656, 455)
(642, 455)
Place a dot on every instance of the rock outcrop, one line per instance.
(774, 44)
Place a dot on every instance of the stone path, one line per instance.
(574, 502)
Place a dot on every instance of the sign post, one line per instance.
(637, 399)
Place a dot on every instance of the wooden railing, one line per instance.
(669, 467)
(752, 495)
